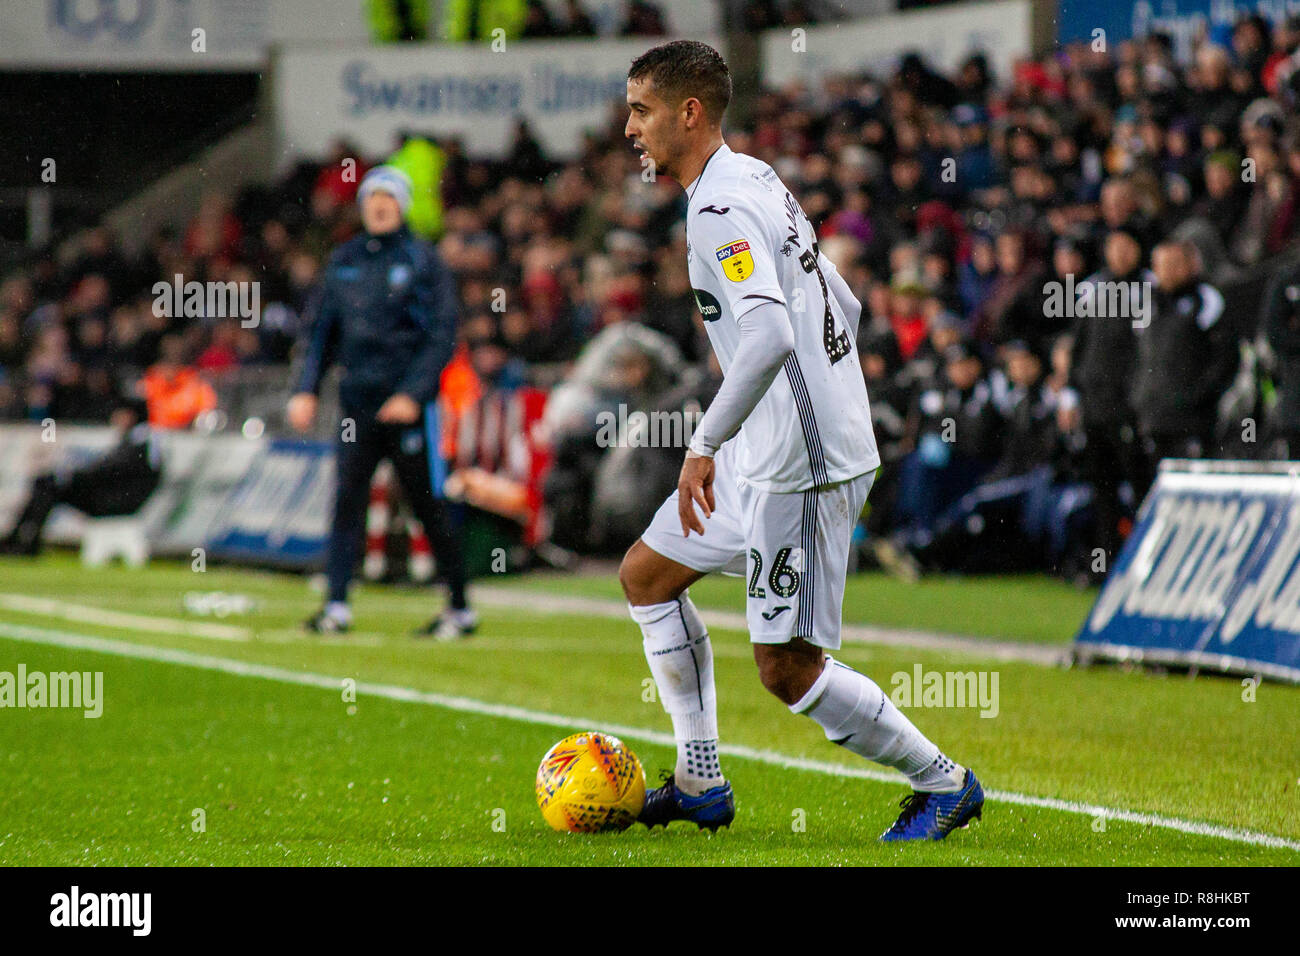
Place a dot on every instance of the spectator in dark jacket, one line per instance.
(976, 275)
(1185, 360)
(1103, 348)
(1281, 328)
(119, 483)
(1069, 269)
(1225, 200)
(1120, 209)
(1013, 309)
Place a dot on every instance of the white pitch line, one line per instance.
(86, 614)
(182, 658)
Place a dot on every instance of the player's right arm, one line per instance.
(323, 318)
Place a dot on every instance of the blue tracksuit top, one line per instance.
(385, 309)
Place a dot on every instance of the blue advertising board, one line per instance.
(279, 512)
(1183, 20)
(1209, 578)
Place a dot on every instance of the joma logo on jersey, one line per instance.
(737, 263)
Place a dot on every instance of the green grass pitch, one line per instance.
(249, 734)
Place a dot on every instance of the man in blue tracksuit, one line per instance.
(386, 311)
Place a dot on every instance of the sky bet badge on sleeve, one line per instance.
(737, 263)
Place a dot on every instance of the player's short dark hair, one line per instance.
(685, 68)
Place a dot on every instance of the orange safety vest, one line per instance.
(176, 401)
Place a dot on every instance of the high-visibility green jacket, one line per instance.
(385, 27)
(459, 23)
(423, 162)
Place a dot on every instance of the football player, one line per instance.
(777, 471)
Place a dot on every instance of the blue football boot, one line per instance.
(715, 807)
(932, 816)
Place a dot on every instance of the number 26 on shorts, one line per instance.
(784, 577)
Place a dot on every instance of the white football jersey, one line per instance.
(748, 242)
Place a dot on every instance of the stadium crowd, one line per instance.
(1053, 266)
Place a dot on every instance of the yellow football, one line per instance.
(590, 782)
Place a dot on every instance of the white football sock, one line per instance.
(681, 660)
(340, 611)
(859, 716)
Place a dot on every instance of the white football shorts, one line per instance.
(792, 547)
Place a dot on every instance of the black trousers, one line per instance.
(413, 450)
(1111, 456)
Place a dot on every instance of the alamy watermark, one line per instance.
(208, 300)
(78, 690)
(637, 429)
(1101, 299)
(133, 911)
(922, 688)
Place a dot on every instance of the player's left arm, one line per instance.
(740, 251)
(739, 247)
(766, 341)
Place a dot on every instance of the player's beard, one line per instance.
(666, 157)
